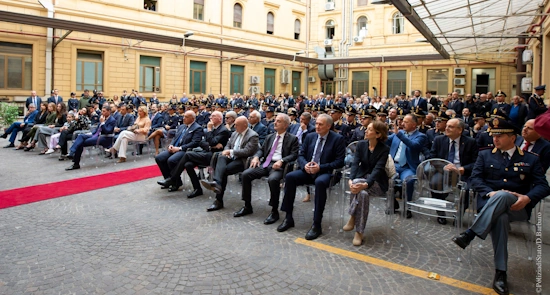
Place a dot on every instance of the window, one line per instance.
(89, 70)
(149, 74)
(238, 16)
(330, 29)
(237, 79)
(483, 80)
(438, 81)
(197, 77)
(269, 80)
(198, 10)
(297, 28)
(397, 82)
(296, 83)
(15, 66)
(270, 22)
(362, 26)
(398, 23)
(360, 83)
(150, 5)
(362, 2)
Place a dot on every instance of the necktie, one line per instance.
(178, 142)
(238, 142)
(526, 147)
(451, 156)
(270, 156)
(318, 150)
(98, 130)
(402, 156)
(299, 134)
(506, 157)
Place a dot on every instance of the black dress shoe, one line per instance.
(442, 220)
(409, 214)
(217, 205)
(462, 240)
(73, 167)
(285, 225)
(5, 135)
(166, 182)
(9, 145)
(70, 156)
(174, 188)
(195, 193)
(314, 232)
(272, 218)
(500, 284)
(212, 185)
(243, 211)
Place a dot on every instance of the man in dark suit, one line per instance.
(303, 128)
(418, 101)
(215, 139)
(157, 118)
(125, 119)
(255, 124)
(457, 149)
(55, 98)
(509, 183)
(188, 135)
(467, 118)
(531, 141)
(455, 103)
(536, 103)
(319, 155)
(280, 148)
(405, 148)
(15, 127)
(34, 99)
(106, 126)
(242, 144)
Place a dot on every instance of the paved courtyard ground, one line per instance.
(138, 239)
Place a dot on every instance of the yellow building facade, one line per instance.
(352, 28)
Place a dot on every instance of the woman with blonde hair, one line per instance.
(136, 132)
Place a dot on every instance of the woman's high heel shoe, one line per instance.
(358, 239)
(29, 148)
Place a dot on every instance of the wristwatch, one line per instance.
(282, 161)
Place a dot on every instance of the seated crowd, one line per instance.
(302, 141)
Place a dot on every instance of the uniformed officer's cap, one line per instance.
(366, 114)
(498, 113)
(121, 104)
(292, 112)
(485, 115)
(382, 112)
(501, 126)
(540, 87)
(442, 116)
(402, 93)
(443, 108)
(238, 105)
(401, 113)
(72, 93)
(180, 105)
(270, 109)
(223, 105)
(208, 106)
(501, 93)
(419, 112)
(371, 109)
(350, 110)
(434, 110)
(337, 108)
(173, 107)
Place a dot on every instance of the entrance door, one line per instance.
(296, 82)
(328, 87)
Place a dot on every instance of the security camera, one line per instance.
(188, 34)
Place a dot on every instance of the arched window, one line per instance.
(297, 28)
(362, 26)
(398, 23)
(270, 23)
(237, 16)
(330, 29)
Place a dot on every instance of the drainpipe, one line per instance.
(541, 42)
(48, 79)
(221, 42)
(308, 18)
(342, 45)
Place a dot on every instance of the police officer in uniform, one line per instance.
(421, 115)
(403, 103)
(536, 103)
(440, 125)
(509, 183)
(351, 118)
(338, 125)
(366, 118)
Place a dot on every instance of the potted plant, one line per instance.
(8, 113)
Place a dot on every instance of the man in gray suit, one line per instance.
(279, 149)
(242, 144)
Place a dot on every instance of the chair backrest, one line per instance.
(390, 167)
(434, 178)
(350, 153)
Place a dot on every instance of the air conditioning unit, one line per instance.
(311, 79)
(363, 32)
(285, 76)
(254, 79)
(157, 89)
(329, 6)
(255, 89)
(460, 81)
(527, 56)
(526, 84)
(460, 91)
(460, 71)
(358, 39)
(328, 42)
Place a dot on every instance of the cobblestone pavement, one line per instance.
(139, 239)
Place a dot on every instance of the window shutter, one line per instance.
(270, 21)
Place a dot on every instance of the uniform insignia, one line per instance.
(516, 169)
(522, 176)
(494, 150)
(495, 123)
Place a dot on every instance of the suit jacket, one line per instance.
(422, 103)
(456, 105)
(293, 129)
(157, 121)
(289, 150)
(541, 148)
(503, 107)
(125, 121)
(332, 156)
(261, 129)
(212, 138)
(414, 146)
(52, 99)
(523, 174)
(536, 106)
(249, 145)
(470, 122)
(107, 128)
(522, 114)
(467, 152)
(372, 164)
(29, 118)
(191, 138)
(29, 101)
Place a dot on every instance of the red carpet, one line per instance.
(41, 192)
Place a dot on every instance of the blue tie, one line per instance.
(177, 143)
(451, 156)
